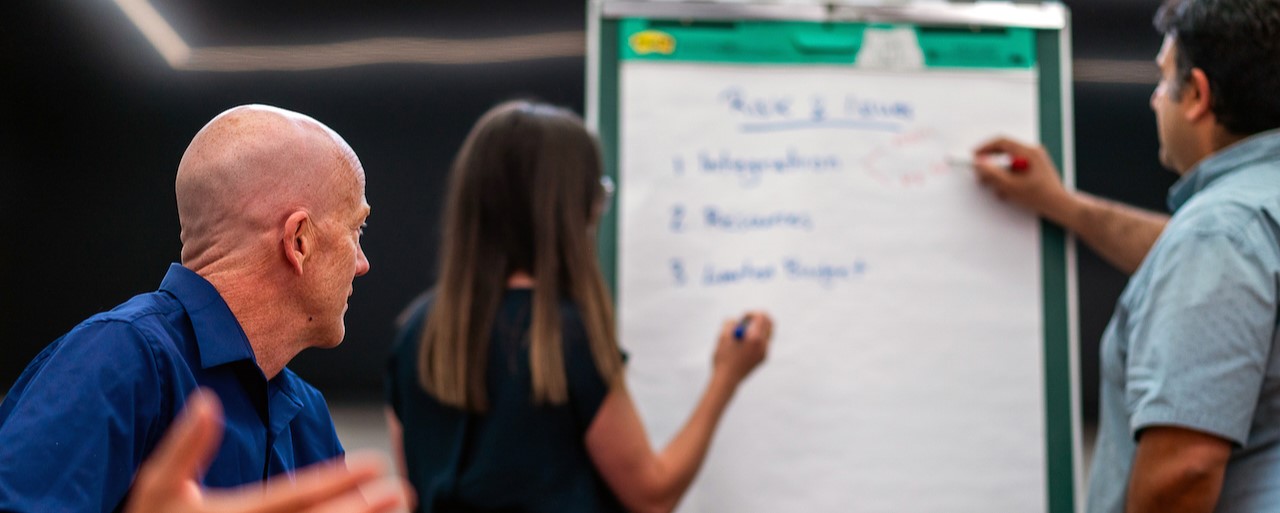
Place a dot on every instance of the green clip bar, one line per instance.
(793, 42)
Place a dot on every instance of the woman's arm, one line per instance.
(650, 482)
(395, 433)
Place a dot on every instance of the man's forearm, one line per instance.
(1192, 492)
(1121, 234)
(1177, 470)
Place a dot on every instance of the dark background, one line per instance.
(93, 123)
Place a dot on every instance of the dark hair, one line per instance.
(523, 194)
(1237, 45)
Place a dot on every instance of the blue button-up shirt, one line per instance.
(1193, 342)
(89, 409)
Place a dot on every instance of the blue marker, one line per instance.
(741, 330)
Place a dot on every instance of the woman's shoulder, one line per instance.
(409, 322)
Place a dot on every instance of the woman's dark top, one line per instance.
(517, 456)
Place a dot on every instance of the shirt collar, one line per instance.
(1262, 146)
(283, 402)
(218, 334)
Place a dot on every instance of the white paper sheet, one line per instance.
(906, 371)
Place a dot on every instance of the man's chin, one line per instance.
(1165, 161)
(331, 341)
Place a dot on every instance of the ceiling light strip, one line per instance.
(157, 31)
(437, 51)
(388, 51)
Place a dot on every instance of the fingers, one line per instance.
(385, 495)
(402, 492)
(761, 333)
(185, 452)
(727, 328)
(729, 325)
(743, 344)
(319, 484)
(1032, 157)
(753, 325)
(992, 175)
(1028, 177)
(755, 340)
(188, 447)
(1005, 145)
(766, 323)
(761, 325)
(989, 173)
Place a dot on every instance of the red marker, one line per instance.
(1019, 164)
(1015, 163)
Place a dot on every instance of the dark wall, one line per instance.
(94, 122)
(1116, 153)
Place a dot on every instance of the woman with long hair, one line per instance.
(506, 384)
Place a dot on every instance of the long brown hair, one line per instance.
(523, 195)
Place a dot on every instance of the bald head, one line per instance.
(251, 167)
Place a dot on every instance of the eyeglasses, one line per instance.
(607, 185)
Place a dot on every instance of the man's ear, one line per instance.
(298, 240)
(1196, 95)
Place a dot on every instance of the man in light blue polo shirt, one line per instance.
(1190, 400)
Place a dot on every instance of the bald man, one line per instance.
(272, 205)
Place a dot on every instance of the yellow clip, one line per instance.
(653, 41)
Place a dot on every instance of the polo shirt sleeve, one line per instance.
(1203, 336)
(79, 422)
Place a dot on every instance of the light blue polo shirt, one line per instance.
(1193, 342)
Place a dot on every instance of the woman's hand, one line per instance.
(735, 358)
